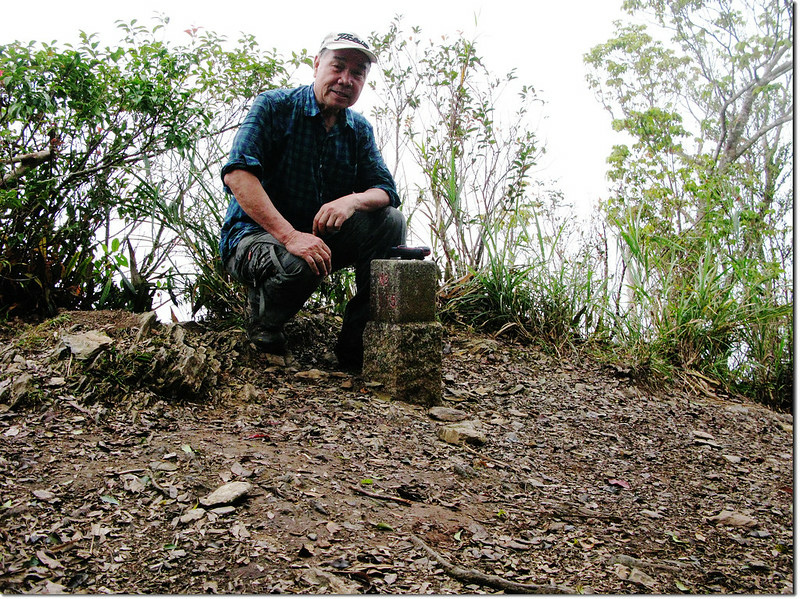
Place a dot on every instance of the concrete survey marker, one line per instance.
(403, 291)
(403, 341)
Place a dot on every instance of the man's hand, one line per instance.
(311, 249)
(331, 216)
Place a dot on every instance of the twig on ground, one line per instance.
(379, 496)
(156, 486)
(130, 471)
(472, 576)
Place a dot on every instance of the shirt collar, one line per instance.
(311, 107)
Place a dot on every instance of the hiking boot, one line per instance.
(350, 356)
(269, 341)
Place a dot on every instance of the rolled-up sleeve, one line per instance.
(250, 145)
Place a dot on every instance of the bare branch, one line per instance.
(27, 162)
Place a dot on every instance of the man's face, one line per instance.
(339, 77)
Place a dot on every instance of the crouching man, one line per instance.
(309, 195)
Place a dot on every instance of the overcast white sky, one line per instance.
(542, 39)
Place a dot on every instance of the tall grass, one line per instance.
(676, 311)
(688, 313)
(533, 287)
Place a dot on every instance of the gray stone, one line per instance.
(192, 514)
(147, 322)
(185, 370)
(446, 414)
(85, 346)
(468, 431)
(226, 494)
(16, 388)
(403, 291)
(407, 359)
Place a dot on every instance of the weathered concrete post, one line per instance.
(403, 341)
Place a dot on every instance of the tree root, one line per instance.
(472, 576)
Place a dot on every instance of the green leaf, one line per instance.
(681, 587)
(109, 499)
(675, 538)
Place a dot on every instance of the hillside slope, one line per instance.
(575, 480)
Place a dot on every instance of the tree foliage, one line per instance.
(703, 191)
(469, 167)
(83, 131)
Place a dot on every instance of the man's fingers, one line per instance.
(332, 216)
(325, 226)
(319, 261)
(313, 250)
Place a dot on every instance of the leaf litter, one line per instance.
(584, 482)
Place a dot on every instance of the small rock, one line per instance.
(641, 578)
(319, 507)
(240, 470)
(652, 514)
(704, 438)
(85, 346)
(227, 493)
(315, 374)
(192, 515)
(12, 431)
(20, 386)
(44, 495)
(462, 432)
(275, 360)
(463, 470)
(221, 511)
(447, 414)
(729, 518)
(329, 583)
(163, 466)
(147, 322)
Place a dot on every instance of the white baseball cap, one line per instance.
(340, 41)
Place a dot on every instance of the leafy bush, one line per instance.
(87, 137)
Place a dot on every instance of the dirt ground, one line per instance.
(586, 483)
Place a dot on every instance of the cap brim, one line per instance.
(372, 57)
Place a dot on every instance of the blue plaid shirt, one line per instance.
(283, 142)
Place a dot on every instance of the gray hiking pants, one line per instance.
(279, 283)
